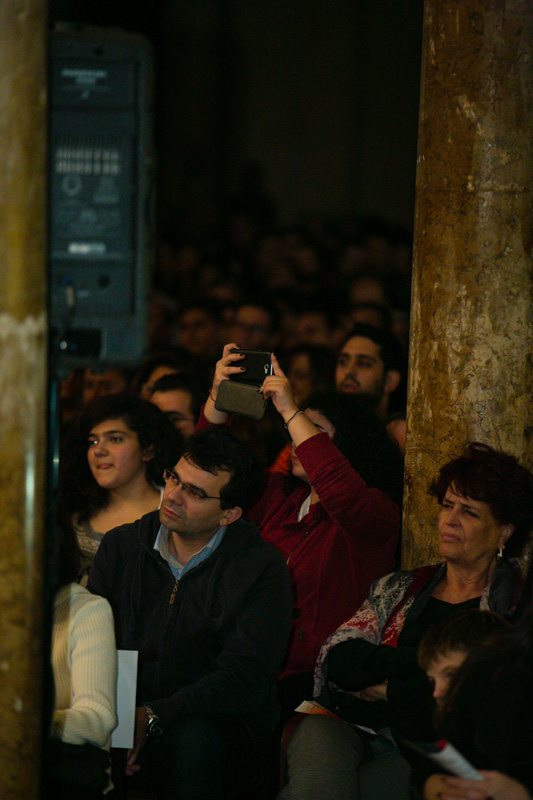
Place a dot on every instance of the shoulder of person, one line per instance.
(142, 530)
(243, 541)
(242, 536)
(392, 581)
(77, 598)
(388, 591)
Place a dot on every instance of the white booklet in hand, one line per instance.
(123, 734)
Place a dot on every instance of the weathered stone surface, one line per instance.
(471, 375)
(22, 390)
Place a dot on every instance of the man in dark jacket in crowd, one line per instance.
(207, 604)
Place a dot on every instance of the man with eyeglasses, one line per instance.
(207, 604)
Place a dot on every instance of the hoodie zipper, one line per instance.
(306, 534)
(174, 592)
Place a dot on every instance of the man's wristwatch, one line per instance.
(153, 726)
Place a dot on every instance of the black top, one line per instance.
(490, 721)
(355, 664)
(211, 642)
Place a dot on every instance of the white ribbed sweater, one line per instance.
(84, 663)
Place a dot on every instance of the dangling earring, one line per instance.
(500, 551)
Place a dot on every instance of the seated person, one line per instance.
(199, 328)
(207, 603)
(110, 380)
(310, 369)
(254, 325)
(111, 467)
(335, 520)
(180, 396)
(160, 363)
(370, 362)
(486, 714)
(367, 671)
(84, 665)
(444, 648)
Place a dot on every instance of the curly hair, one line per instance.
(363, 439)
(80, 493)
(496, 478)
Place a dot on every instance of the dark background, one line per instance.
(318, 101)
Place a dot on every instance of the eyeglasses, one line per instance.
(193, 492)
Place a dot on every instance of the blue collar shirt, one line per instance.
(178, 570)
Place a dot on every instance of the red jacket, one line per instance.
(335, 552)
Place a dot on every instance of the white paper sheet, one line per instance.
(123, 734)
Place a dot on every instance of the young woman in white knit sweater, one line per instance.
(84, 666)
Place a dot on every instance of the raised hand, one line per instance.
(277, 388)
(226, 366)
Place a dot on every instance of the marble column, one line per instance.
(22, 389)
(471, 375)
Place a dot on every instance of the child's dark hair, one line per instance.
(462, 631)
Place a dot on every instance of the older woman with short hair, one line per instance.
(367, 671)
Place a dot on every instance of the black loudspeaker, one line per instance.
(101, 194)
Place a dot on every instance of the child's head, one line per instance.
(444, 647)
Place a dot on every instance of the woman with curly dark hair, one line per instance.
(335, 518)
(367, 671)
(497, 480)
(111, 467)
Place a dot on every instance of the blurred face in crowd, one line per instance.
(398, 430)
(300, 375)
(366, 289)
(159, 372)
(312, 328)
(251, 328)
(97, 384)
(177, 405)
(199, 333)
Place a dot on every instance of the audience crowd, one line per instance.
(254, 563)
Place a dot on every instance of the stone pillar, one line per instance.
(471, 375)
(22, 390)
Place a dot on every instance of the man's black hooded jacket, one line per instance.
(212, 642)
